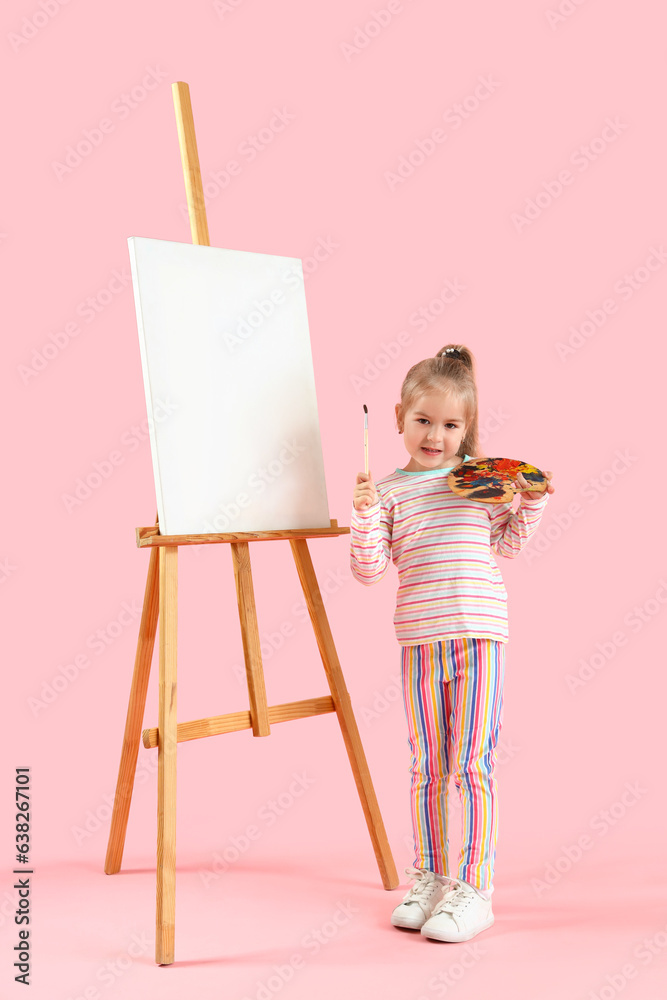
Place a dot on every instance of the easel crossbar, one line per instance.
(235, 721)
(150, 536)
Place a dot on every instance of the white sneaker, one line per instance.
(460, 915)
(420, 901)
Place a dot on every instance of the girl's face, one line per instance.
(433, 428)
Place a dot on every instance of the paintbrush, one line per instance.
(366, 439)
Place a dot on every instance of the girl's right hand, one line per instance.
(365, 494)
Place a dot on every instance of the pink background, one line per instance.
(592, 585)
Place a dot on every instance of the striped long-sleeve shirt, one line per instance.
(442, 545)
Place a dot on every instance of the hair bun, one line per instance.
(455, 352)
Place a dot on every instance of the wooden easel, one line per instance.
(160, 604)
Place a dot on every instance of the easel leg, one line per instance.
(166, 774)
(252, 652)
(135, 715)
(348, 723)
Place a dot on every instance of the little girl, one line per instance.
(451, 622)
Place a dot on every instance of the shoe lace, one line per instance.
(425, 885)
(455, 898)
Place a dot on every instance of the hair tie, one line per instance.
(452, 352)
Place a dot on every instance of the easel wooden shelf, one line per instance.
(152, 536)
(160, 606)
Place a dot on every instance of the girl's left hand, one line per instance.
(526, 490)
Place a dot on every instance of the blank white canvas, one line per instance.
(230, 389)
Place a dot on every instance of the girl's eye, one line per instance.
(423, 420)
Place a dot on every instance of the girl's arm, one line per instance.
(511, 530)
(370, 536)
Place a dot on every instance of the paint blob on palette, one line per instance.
(490, 479)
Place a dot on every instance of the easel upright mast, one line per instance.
(161, 605)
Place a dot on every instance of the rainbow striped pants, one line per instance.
(453, 699)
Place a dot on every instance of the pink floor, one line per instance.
(320, 927)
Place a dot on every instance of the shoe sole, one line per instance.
(405, 925)
(442, 935)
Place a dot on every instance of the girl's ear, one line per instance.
(399, 419)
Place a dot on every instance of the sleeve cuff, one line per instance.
(367, 511)
(535, 502)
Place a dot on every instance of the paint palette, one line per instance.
(490, 479)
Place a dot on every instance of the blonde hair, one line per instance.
(448, 374)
